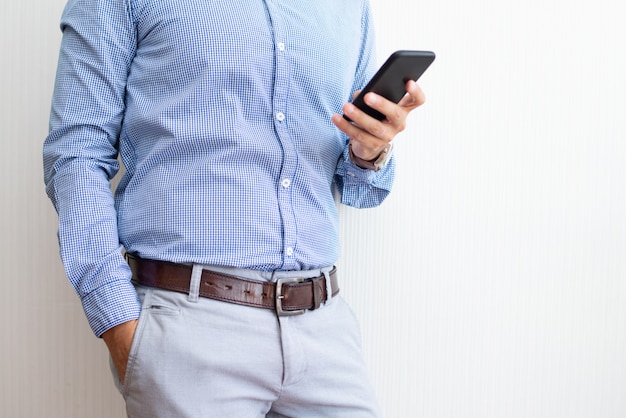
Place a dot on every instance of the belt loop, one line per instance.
(194, 284)
(329, 288)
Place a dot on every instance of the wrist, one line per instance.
(375, 164)
(118, 333)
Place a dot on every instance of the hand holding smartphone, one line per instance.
(390, 80)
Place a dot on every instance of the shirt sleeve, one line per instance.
(80, 155)
(358, 187)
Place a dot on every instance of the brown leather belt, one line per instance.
(290, 296)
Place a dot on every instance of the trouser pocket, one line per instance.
(144, 348)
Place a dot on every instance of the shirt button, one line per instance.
(289, 251)
(286, 183)
(280, 116)
(281, 46)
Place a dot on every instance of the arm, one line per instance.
(367, 136)
(80, 156)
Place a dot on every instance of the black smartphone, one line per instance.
(390, 80)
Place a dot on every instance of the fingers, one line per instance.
(396, 114)
(361, 121)
(415, 96)
(364, 144)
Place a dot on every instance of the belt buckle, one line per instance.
(280, 296)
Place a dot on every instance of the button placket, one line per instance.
(281, 119)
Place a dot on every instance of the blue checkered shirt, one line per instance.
(220, 113)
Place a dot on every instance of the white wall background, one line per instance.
(500, 254)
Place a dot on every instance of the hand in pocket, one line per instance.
(118, 340)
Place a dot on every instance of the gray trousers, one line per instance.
(193, 357)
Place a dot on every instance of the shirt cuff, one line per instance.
(111, 305)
